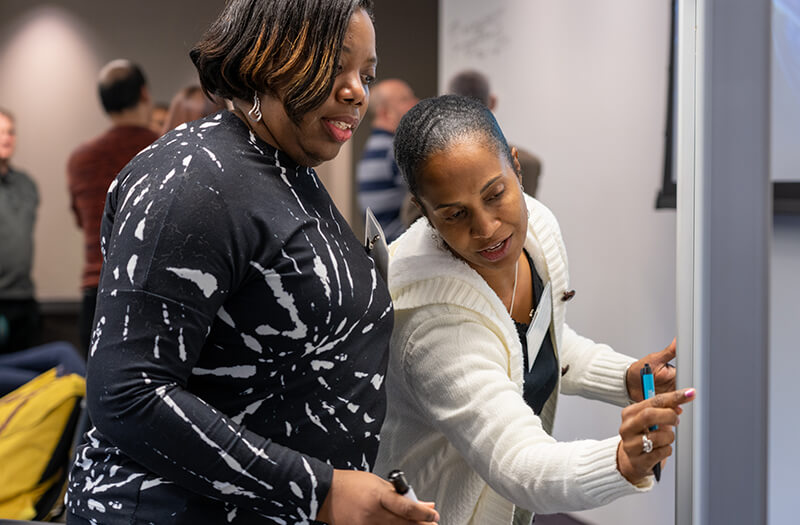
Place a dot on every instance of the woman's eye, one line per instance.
(454, 216)
(339, 68)
(368, 80)
(497, 195)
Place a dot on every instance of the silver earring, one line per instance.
(255, 111)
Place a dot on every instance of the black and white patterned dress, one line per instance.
(240, 340)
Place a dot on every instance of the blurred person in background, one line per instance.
(158, 117)
(380, 185)
(19, 200)
(188, 104)
(93, 165)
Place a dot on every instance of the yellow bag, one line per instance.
(37, 423)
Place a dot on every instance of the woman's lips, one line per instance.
(496, 251)
(340, 129)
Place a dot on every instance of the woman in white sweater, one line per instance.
(480, 348)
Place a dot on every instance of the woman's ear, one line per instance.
(517, 167)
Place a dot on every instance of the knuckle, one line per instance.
(405, 508)
(649, 414)
(628, 432)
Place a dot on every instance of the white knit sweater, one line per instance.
(456, 421)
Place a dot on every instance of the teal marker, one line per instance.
(649, 390)
(648, 386)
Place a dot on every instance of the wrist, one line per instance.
(628, 388)
(325, 512)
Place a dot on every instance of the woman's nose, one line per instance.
(484, 225)
(351, 90)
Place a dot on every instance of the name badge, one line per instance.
(375, 244)
(540, 325)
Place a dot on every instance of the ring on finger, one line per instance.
(647, 444)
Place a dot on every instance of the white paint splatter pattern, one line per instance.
(139, 233)
(181, 345)
(131, 268)
(286, 300)
(239, 372)
(223, 487)
(205, 281)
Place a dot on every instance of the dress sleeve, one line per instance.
(167, 272)
(457, 372)
(595, 370)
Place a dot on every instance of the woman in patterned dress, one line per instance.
(241, 336)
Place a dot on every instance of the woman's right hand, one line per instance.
(361, 498)
(663, 409)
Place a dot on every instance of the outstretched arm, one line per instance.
(458, 373)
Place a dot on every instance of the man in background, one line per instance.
(19, 200)
(93, 165)
(475, 85)
(380, 185)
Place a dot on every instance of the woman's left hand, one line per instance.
(663, 373)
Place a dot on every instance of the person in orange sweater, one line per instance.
(93, 165)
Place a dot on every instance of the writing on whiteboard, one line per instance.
(478, 36)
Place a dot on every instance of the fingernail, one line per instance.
(690, 393)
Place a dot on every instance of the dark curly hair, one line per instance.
(434, 124)
(286, 47)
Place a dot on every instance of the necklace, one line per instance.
(514, 292)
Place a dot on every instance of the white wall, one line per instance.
(583, 85)
(50, 53)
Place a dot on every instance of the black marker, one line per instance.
(401, 486)
(648, 391)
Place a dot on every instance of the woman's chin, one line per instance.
(321, 155)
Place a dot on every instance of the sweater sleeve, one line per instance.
(457, 373)
(595, 370)
(165, 278)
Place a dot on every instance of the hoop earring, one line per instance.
(255, 111)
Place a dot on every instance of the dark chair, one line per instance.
(51, 504)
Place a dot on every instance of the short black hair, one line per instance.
(122, 89)
(472, 84)
(435, 124)
(286, 47)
